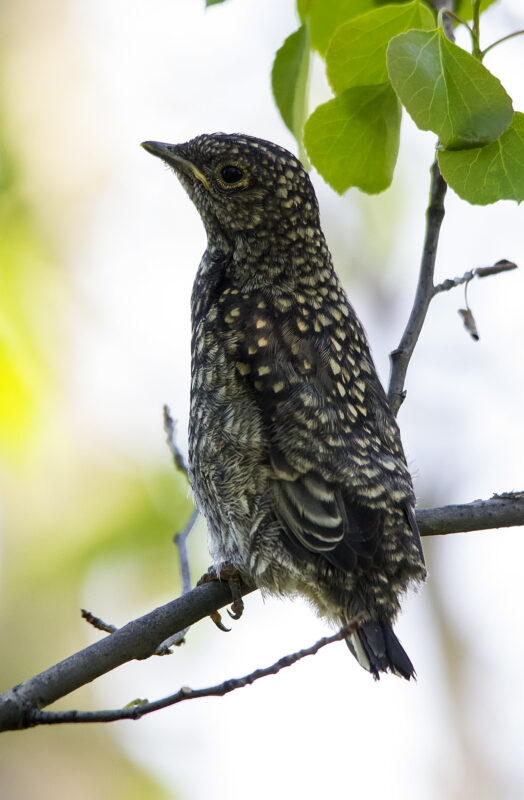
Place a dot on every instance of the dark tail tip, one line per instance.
(377, 649)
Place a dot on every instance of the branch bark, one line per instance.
(425, 292)
(139, 708)
(400, 357)
(137, 640)
(140, 638)
(501, 511)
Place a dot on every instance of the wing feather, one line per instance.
(334, 449)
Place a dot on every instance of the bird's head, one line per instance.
(242, 185)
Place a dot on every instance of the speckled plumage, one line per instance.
(295, 458)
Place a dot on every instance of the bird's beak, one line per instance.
(170, 153)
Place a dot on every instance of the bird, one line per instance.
(295, 458)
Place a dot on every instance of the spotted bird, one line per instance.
(295, 458)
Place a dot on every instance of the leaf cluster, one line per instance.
(379, 58)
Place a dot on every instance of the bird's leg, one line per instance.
(229, 573)
(226, 572)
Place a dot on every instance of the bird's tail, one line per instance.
(377, 649)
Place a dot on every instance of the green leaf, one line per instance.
(357, 52)
(214, 2)
(326, 15)
(487, 174)
(289, 79)
(447, 91)
(464, 8)
(353, 139)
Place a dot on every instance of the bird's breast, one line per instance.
(228, 450)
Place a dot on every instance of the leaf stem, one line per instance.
(499, 41)
(449, 13)
(475, 30)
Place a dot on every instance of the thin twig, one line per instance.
(139, 708)
(180, 540)
(479, 272)
(137, 640)
(400, 357)
(170, 429)
(426, 290)
(164, 649)
(140, 638)
(97, 622)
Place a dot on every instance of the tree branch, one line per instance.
(426, 290)
(164, 648)
(400, 357)
(139, 708)
(501, 511)
(137, 640)
(140, 639)
(479, 272)
(170, 431)
(180, 538)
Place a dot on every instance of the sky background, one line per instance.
(100, 249)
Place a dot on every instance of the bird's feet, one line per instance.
(226, 572)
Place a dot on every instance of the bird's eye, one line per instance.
(231, 174)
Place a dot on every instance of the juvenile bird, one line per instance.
(295, 458)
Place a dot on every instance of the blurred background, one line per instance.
(98, 249)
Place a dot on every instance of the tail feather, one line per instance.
(377, 649)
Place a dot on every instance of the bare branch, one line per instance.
(480, 272)
(426, 291)
(97, 622)
(140, 639)
(170, 429)
(139, 708)
(180, 540)
(400, 357)
(501, 511)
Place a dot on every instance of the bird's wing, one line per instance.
(335, 452)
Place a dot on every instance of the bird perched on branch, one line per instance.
(295, 457)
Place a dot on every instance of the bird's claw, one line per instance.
(237, 608)
(217, 619)
(208, 577)
(226, 572)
